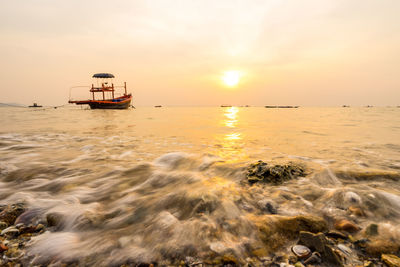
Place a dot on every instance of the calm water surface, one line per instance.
(162, 183)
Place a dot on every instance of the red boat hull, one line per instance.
(122, 102)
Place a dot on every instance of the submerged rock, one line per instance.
(371, 230)
(262, 172)
(319, 243)
(301, 251)
(273, 174)
(376, 247)
(347, 226)
(391, 260)
(10, 213)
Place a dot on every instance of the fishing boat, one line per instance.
(107, 100)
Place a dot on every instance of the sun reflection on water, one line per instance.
(230, 144)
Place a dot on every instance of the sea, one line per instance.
(163, 184)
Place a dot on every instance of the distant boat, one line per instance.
(35, 105)
(112, 102)
(226, 106)
(281, 106)
(368, 106)
(158, 106)
(345, 106)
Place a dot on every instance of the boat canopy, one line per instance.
(103, 75)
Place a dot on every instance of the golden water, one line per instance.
(156, 184)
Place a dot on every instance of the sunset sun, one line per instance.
(231, 78)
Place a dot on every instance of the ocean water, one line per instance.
(163, 184)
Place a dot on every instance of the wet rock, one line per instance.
(347, 226)
(368, 264)
(315, 258)
(293, 225)
(31, 216)
(391, 260)
(376, 247)
(39, 227)
(262, 172)
(268, 206)
(3, 247)
(3, 225)
(343, 248)
(10, 232)
(10, 213)
(371, 230)
(356, 211)
(301, 252)
(319, 243)
(352, 197)
(54, 220)
(336, 235)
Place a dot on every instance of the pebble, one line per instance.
(315, 258)
(3, 247)
(3, 225)
(344, 249)
(301, 251)
(347, 226)
(10, 232)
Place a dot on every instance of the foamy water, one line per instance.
(148, 184)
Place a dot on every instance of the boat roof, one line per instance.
(103, 75)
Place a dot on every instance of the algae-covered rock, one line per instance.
(391, 260)
(347, 226)
(376, 247)
(275, 231)
(10, 213)
(292, 225)
(277, 174)
(319, 243)
(371, 230)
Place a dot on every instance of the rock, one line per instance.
(391, 260)
(315, 258)
(347, 226)
(262, 172)
(3, 247)
(336, 235)
(291, 226)
(346, 250)
(352, 197)
(319, 243)
(376, 247)
(3, 225)
(10, 213)
(54, 220)
(10, 232)
(371, 230)
(268, 206)
(356, 211)
(298, 264)
(301, 252)
(39, 227)
(31, 216)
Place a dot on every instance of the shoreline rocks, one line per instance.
(277, 174)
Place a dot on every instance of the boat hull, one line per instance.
(99, 105)
(117, 103)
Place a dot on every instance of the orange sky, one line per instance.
(306, 52)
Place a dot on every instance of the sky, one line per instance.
(288, 52)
